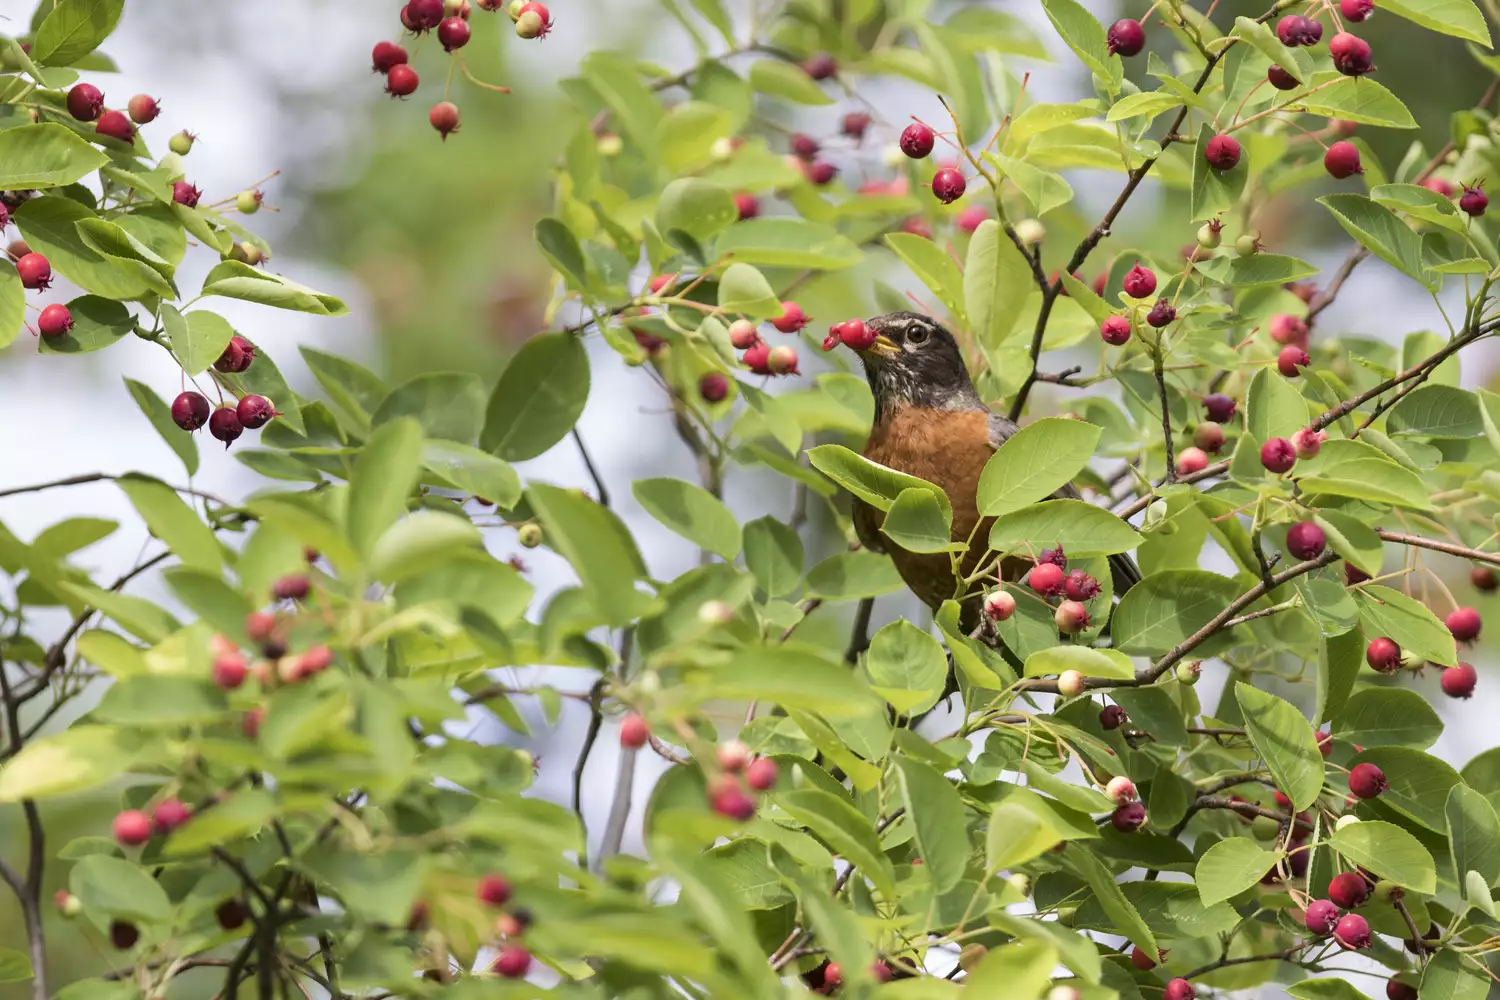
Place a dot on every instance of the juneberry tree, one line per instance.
(1043, 804)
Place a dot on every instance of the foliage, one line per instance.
(928, 809)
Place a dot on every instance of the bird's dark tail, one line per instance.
(1125, 572)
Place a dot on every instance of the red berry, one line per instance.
(1047, 579)
(1191, 460)
(250, 724)
(401, 80)
(855, 335)
(123, 934)
(734, 804)
(186, 194)
(1294, 29)
(534, 21)
(1141, 960)
(35, 271)
(746, 205)
(238, 354)
(1474, 201)
(1321, 916)
(758, 358)
(1112, 717)
(1139, 282)
(917, 141)
(1308, 442)
(453, 33)
(1222, 152)
(1219, 408)
(229, 671)
(1209, 436)
(1281, 79)
(132, 828)
(761, 774)
(116, 125)
(169, 815)
(1342, 160)
(513, 962)
(1278, 455)
(804, 146)
(971, 218)
(143, 109)
(225, 425)
(85, 102)
(260, 625)
(1464, 623)
(1162, 314)
(917, 226)
(1367, 781)
(1292, 360)
(1353, 574)
(792, 318)
(444, 116)
(1126, 37)
(386, 55)
(1128, 818)
(1483, 579)
(1349, 890)
(293, 587)
(855, 124)
(1305, 540)
(822, 173)
(231, 914)
(315, 660)
(833, 974)
(713, 387)
(1356, 10)
(1080, 586)
(1459, 681)
(821, 66)
(1352, 932)
(1179, 989)
(1383, 655)
(881, 971)
(634, 732)
(254, 412)
(1000, 605)
(493, 889)
(1395, 989)
(55, 320)
(1115, 330)
(782, 360)
(948, 185)
(1351, 54)
(1325, 742)
(427, 14)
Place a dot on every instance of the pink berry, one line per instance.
(1321, 916)
(1047, 579)
(427, 14)
(761, 774)
(1222, 152)
(1342, 160)
(1294, 29)
(917, 141)
(225, 425)
(1459, 681)
(493, 889)
(821, 66)
(132, 828)
(1209, 436)
(804, 146)
(1464, 623)
(634, 732)
(855, 124)
(948, 185)
(1292, 360)
(401, 80)
(1113, 717)
(1126, 37)
(1356, 10)
(1128, 818)
(1278, 455)
(1351, 54)
(1285, 328)
(534, 21)
(116, 125)
(186, 194)
(833, 974)
(1352, 932)
(1349, 890)
(1438, 185)
(758, 358)
(1000, 605)
(55, 320)
(229, 671)
(453, 33)
(713, 387)
(169, 814)
(85, 102)
(35, 271)
(733, 756)
(444, 117)
(821, 172)
(1383, 655)
(1057, 557)
(1179, 989)
(238, 354)
(1162, 314)
(1308, 442)
(746, 205)
(1139, 282)
(734, 804)
(1484, 579)
(792, 318)
(1071, 617)
(1115, 330)
(1474, 201)
(1305, 540)
(1325, 742)
(1281, 79)
(1367, 781)
(254, 412)
(512, 962)
(293, 586)
(743, 335)
(385, 55)
(971, 218)
(1080, 586)
(1191, 460)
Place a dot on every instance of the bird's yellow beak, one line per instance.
(884, 347)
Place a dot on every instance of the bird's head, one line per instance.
(915, 361)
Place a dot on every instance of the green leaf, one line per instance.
(1448, 977)
(845, 829)
(692, 512)
(473, 471)
(1035, 462)
(1045, 189)
(1441, 411)
(1429, 206)
(1351, 100)
(906, 667)
(45, 156)
(1413, 626)
(207, 336)
(1324, 989)
(1147, 102)
(598, 545)
(118, 889)
(74, 760)
(1378, 717)
(1459, 18)
(1255, 270)
(1419, 783)
(714, 13)
(1473, 833)
(560, 246)
(1167, 607)
(1285, 741)
(936, 814)
(996, 281)
(787, 81)
(1352, 539)
(1380, 231)
(934, 267)
(773, 554)
(538, 399)
(97, 323)
(421, 542)
(1123, 915)
(161, 700)
(697, 207)
(1264, 39)
(15, 967)
(872, 482)
(850, 575)
(785, 241)
(1020, 971)
(1016, 835)
(12, 301)
(1085, 36)
(1215, 191)
(1085, 530)
(1087, 661)
(354, 389)
(1230, 867)
(918, 522)
(637, 110)
(1273, 407)
(72, 30)
(242, 815)
(1388, 851)
(235, 280)
(743, 289)
(174, 522)
(113, 240)
(140, 617)
(449, 405)
(385, 473)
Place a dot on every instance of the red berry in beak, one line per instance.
(948, 185)
(1351, 54)
(1278, 455)
(1222, 152)
(1464, 623)
(225, 425)
(35, 271)
(917, 141)
(401, 80)
(1459, 681)
(444, 118)
(1126, 37)
(1342, 160)
(856, 335)
(115, 125)
(386, 55)
(1367, 781)
(190, 410)
(1115, 330)
(55, 320)
(85, 102)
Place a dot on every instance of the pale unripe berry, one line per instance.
(1121, 789)
(1070, 684)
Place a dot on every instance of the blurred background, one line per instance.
(430, 244)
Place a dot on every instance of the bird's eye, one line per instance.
(916, 335)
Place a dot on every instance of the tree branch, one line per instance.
(1417, 541)
(1224, 963)
(619, 809)
(105, 477)
(588, 463)
(859, 637)
(1166, 411)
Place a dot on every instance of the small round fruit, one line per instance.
(181, 143)
(123, 934)
(55, 320)
(1219, 408)
(35, 271)
(761, 774)
(1126, 37)
(237, 356)
(746, 205)
(1129, 817)
(855, 124)
(1458, 681)
(1484, 579)
(225, 425)
(917, 141)
(1071, 617)
(1000, 605)
(821, 66)
(444, 117)
(529, 535)
(1071, 683)
(948, 185)
(385, 55)
(143, 109)
(1120, 788)
(132, 828)
(634, 732)
(85, 102)
(1306, 540)
(1188, 673)
(1356, 10)
(231, 914)
(513, 962)
(534, 21)
(1281, 79)
(1222, 152)
(1139, 282)
(401, 81)
(1112, 717)
(116, 125)
(1079, 585)
(1352, 932)
(1191, 460)
(229, 671)
(1162, 314)
(1179, 989)
(1474, 201)
(1292, 360)
(493, 889)
(1367, 781)
(743, 335)
(453, 33)
(1342, 160)
(1308, 442)
(792, 318)
(713, 387)
(1349, 890)
(1383, 655)
(782, 360)
(1351, 54)
(733, 756)
(1294, 29)
(1321, 916)
(1278, 455)
(1209, 436)
(169, 814)
(1208, 235)
(1141, 960)
(1464, 623)
(734, 804)
(758, 358)
(1115, 330)
(1047, 579)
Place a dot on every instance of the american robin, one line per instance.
(931, 423)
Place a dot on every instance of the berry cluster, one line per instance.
(739, 773)
(191, 410)
(1458, 681)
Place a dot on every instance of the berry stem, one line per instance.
(463, 68)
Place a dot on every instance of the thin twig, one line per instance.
(1166, 411)
(859, 637)
(1223, 963)
(1417, 541)
(593, 472)
(105, 477)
